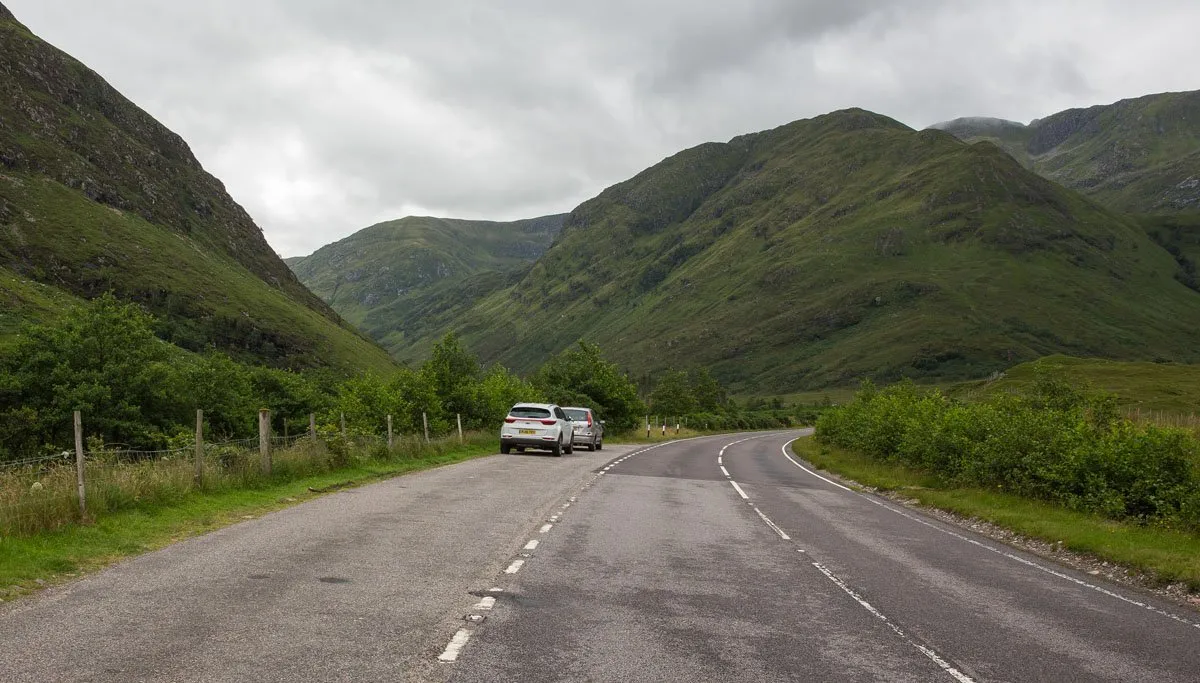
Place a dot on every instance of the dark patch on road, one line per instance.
(259, 576)
(333, 579)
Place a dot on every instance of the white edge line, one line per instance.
(456, 645)
(773, 525)
(724, 471)
(514, 567)
(739, 490)
(1015, 558)
(928, 652)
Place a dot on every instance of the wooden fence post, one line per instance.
(389, 432)
(312, 426)
(199, 447)
(79, 465)
(264, 439)
(425, 421)
(460, 434)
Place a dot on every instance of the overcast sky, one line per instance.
(324, 116)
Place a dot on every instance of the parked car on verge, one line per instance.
(588, 431)
(537, 425)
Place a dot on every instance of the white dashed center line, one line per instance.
(456, 645)
(531, 545)
(739, 490)
(545, 528)
(487, 602)
(773, 525)
(514, 567)
(928, 652)
(724, 471)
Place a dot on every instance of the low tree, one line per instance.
(581, 376)
(673, 395)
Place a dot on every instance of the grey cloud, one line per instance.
(322, 115)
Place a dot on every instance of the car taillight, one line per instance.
(549, 422)
(589, 416)
(510, 420)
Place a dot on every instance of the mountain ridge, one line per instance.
(96, 196)
(1139, 154)
(832, 248)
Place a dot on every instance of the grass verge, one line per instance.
(1164, 555)
(30, 563)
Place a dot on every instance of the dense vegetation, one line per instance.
(96, 196)
(1140, 155)
(137, 391)
(1052, 442)
(827, 250)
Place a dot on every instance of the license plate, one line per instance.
(527, 431)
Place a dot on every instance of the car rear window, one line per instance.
(525, 411)
(580, 415)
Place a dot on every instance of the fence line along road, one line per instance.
(46, 492)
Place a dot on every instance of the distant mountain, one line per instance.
(95, 196)
(396, 280)
(831, 249)
(1139, 155)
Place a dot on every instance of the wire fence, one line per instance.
(47, 492)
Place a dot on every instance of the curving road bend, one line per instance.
(725, 558)
(720, 558)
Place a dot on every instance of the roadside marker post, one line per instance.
(458, 416)
(343, 426)
(425, 421)
(199, 447)
(264, 439)
(79, 465)
(312, 426)
(389, 432)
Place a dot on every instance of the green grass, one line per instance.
(1167, 555)
(29, 563)
(1170, 387)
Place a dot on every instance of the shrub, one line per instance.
(1056, 443)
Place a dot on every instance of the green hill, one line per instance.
(830, 249)
(399, 279)
(95, 196)
(1140, 155)
(1168, 387)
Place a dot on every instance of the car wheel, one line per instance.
(504, 448)
(557, 448)
(570, 446)
(600, 445)
(591, 446)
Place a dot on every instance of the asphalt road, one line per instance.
(366, 584)
(712, 559)
(665, 570)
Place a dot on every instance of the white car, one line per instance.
(537, 425)
(589, 432)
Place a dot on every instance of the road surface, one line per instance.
(719, 558)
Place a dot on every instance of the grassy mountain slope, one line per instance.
(1140, 155)
(1169, 387)
(95, 195)
(833, 248)
(390, 278)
